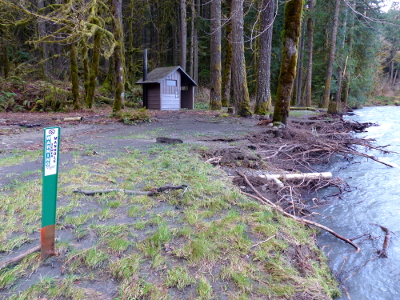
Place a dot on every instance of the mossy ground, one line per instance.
(205, 243)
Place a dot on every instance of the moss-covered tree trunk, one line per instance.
(240, 90)
(215, 56)
(94, 69)
(263, 95)
(328, 81)
(310, 43)
(119, 94)
(85, 63)
(44, 51)
(292, 28)
(74, 76)
(227, 75)
(5, 62)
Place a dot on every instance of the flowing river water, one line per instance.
(374, 199)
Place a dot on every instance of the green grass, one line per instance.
(199, 241)
(18, 157)
(179, 277)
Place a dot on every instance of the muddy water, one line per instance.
(374, 199)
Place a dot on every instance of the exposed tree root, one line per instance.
(18, 258)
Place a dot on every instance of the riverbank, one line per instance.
(209, 241)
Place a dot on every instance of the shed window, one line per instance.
(171, 82)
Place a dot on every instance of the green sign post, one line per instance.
(49, 190)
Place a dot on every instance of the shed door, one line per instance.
(170, 101)
(171, 96)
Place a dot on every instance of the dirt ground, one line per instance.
(99, 132)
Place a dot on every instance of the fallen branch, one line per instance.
(131, 192)
(18, 258)
(383, 253)
(259, 243)
(214, 160)
(278, 208)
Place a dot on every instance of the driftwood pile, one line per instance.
(305, 145)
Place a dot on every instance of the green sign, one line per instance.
(50, 174)
(49, 191)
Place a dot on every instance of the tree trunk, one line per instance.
(44, 47)
(391, 69)
(310, 43)
(118, 56)
(175, 50)
(292, 26)
(239, 80)
(5, 62)
(215, 55)
(394, 78)
(299, 71)
(341, 68)
(263, 94)
(346, 87)
(192, 22)
(183, 34)
(227, 76)
(94, 69)
(74, 76)
(196, 49)
(328, 81)
(85, 63)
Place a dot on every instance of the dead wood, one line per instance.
(259, 243)
(18, 258)
(383, 253)
(165, 140)
(131, 192)
(279, 209)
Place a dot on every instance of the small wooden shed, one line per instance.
(168, 88)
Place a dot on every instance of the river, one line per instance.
(374, 199)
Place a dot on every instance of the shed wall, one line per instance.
(165, 89)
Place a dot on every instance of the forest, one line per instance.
(62, 55)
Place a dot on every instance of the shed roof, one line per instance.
(159, 74)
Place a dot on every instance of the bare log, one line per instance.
(73, 119)
(301, 176)
(303, 108)
(131, 192)
(18, 258)
(278, 208)
(166, 140)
